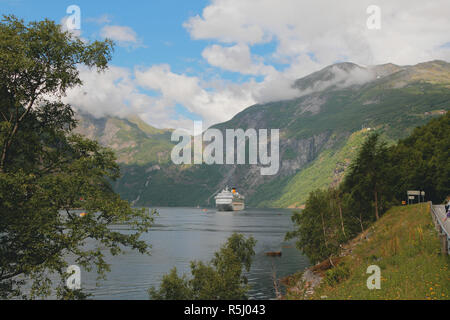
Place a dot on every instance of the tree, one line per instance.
(368, 179)
(421, 161)
(318, 231)
(221, 279)
(378, 178)
(46, 171)
(332, 217)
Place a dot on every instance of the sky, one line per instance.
(179, 61)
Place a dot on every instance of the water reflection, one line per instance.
(180, 235)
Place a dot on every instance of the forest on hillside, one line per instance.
(377, 180)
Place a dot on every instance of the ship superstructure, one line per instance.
(229, 200)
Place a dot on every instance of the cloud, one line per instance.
(312, 35)
(410, 30)
(65, 23)
(213, 106)
(103, 19)
(121, 92)
(111, 92)
(306, 37)
(235, 58)
(123, 35)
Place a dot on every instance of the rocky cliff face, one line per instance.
(333, 103)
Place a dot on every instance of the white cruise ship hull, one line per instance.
(227, 201)
(233, 206)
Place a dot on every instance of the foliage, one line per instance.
(318, 228)
(46, 171)
(172, 287)
(369, 178)
(221, 279)
(406, 247)
(421, 161)
(170, 185)
(378, 179)
(329, 166)
(336, 275)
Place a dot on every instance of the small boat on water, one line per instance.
(273, 253)
(228, 200)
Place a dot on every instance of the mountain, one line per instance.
(133, 140)
(320, 132)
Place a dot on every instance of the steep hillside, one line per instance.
(134, 141)
(392, 102)
(316, 135)
(406, 247)
(327, 169)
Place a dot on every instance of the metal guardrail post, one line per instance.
(443, 234)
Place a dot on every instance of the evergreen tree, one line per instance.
(368, 177)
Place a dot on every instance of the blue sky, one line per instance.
(157, 23)
(176, 61)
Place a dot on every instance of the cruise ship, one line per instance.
(229, 200)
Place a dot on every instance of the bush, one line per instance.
(337, 275)
(221, 279)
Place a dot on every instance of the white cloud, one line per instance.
(236, 58)
(312, 35)
(212, 105)
(123, 35)
(118, 92)
(111, 92)
(331, 30)
(104, 18)
(308, 36)
(65, 22)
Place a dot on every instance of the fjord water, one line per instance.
(180, 235)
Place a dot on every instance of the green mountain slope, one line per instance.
(318, 135)
(328, 169)
(316, 126)
(134, 141)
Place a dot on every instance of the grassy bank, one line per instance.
(406, 247)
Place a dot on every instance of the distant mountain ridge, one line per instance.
(133, 140)
(317, 130)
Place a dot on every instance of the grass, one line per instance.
(406, 247)
(138, 143)
(330, 165)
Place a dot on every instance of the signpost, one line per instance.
(412, 194)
